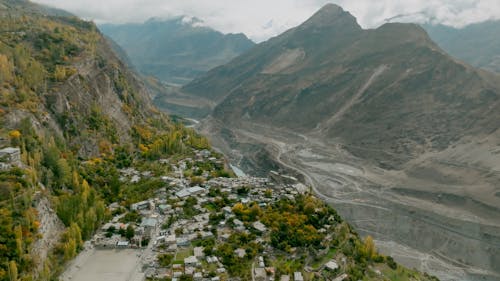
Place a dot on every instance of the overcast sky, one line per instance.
(261, 19)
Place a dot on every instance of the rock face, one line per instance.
(50, 231)
(477, 44)
(176, 50)
(382, 122)
(97, 100)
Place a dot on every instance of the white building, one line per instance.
(143, 205)
(191, 261)
(297, 276)
(285, 278)
(198, 252)
(10, 155)
(259, 226)
(332, 265)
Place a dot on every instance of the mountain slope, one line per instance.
(71, 116)
(402, 138)
(477, 44)
(351, 83)
(176, 50)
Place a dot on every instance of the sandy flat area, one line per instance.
(109, 265)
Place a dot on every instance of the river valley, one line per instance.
(420, 227)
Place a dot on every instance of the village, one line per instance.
(181, 229)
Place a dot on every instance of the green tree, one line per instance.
(165, 259)
(63, 171)
(129, 233)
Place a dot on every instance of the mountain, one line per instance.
(176, 50)
(397, 134)
(17, 7)
(71, 116)
(350, 83)
(477, 44)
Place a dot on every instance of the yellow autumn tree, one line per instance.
(5, 69)
(60, 73)
(14, 134)
(19, 239)
(13, 271)
(369, 247)
(238, 208)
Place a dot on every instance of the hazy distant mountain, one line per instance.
(477, 44)
(176, 50)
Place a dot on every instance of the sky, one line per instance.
(261, 19)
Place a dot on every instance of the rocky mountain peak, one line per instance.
(332, 15)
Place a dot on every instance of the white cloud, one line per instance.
(261, 19)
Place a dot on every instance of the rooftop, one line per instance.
(190, 260)
(297, 276)
(149, 222)
(183, 193)
(10, 150)
(195, 189)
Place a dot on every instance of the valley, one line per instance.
(419, 228)
(296, 153)
(386, 127)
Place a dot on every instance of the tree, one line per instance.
(60, 73)
(5, 69)
(63, 171)
(165, 259)
(369, 247)
(238, 208)
(13, 271)
(129, 233)
(15, 136)
(19, 239)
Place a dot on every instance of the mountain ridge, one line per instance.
(476, 44)
(178, 49)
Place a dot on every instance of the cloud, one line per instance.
(261, 19)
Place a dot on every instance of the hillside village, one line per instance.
(235, 229)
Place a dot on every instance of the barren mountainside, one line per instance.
(401, 137)
(390, 90)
